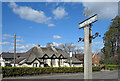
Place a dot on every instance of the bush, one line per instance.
(96, 68)
(24, 71)
(0, 69)
(112, 67)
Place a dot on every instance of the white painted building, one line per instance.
(2, 61)
(44, 57)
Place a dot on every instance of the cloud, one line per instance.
(20, 40)
(97, 43)
(57, 37)
(105, 10)
(59, 13)
(19, 48)
(57, 44)
(29, 13)
(13, 5)
(51, 25)
(5, 43)
(7, 36)
(18, 37)
(24, 48)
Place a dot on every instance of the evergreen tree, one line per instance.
(112, 41)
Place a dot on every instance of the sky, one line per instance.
(52, 22)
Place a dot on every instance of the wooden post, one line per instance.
(14, 49)
(87, 25)
(87, 53)
(90, 52)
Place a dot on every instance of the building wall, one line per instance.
(95, 60)
(31, 65)
(56, 63)
(2, 62)
(77, 65)
(49, 62)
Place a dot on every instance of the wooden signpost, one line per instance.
(87, 25)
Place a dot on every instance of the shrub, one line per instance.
(23, 71)
(96, 68)
(112, 67)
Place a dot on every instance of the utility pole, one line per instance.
(14, 49)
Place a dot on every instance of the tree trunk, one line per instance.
(118, 40)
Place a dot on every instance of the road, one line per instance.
(96, 75)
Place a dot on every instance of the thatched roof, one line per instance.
(39, 52)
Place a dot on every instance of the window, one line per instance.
(61, 56)
(45, 56)
(53, 61)
(53, 56)
(45, 61)
(6, 59)
(35, 65)
(60, 61)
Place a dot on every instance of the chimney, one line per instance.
(38, 46)
(48, 45)
(75, 55)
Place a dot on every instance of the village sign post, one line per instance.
(87, 25)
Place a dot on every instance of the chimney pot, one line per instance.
(38, 45)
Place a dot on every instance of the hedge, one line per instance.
(25, 71)
(0, 69)
(112, 67)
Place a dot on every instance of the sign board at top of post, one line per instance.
(88, 21)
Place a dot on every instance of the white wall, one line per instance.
(2, 62)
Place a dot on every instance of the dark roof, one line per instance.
(63, 53)
(18, 60)
(11, 55)
(32, 54)
(39, 52)
(74, 60)
(49, 51)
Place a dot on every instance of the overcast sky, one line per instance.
(43, 22)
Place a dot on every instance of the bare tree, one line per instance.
(79, 50)
(68, 47)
